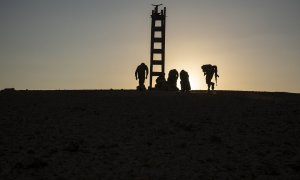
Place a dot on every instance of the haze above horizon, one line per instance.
(73, 44)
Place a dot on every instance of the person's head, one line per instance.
(143, 64)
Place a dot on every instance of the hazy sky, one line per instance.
(97, 44)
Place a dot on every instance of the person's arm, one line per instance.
(147, 70)
(136, 73)
(216, 74)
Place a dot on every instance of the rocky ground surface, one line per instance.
(149, 135)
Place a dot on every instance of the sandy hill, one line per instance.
(149, 135)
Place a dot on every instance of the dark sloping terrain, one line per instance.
(149, 135)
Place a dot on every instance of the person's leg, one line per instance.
(208, 85)
(208, 81)
(141, 81)
(142, 85)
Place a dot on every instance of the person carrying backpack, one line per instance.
(209, 71)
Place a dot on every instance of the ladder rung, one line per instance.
(157, 62)
(157, 17)
(157, 51)
(156, 73)
(158, 28)
(157, 39)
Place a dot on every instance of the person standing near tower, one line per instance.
(141, 73)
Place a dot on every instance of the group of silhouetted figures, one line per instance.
(170, 84)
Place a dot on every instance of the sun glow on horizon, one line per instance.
(195, 83)
(99, 44)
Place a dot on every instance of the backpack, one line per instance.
(208, 67)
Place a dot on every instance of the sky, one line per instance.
(97, 44)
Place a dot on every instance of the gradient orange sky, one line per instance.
(97, 44)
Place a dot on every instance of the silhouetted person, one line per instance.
(161, 83)
(209, 71)
(141, 73)
(172, 80)
(184, 81)
(156, 8)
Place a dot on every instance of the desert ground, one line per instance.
(125, 134)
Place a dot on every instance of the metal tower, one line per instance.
(157, 51)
